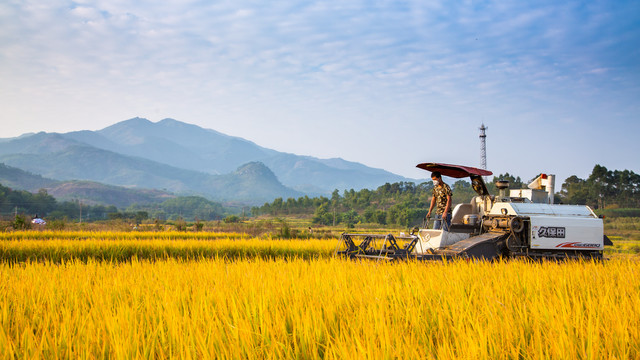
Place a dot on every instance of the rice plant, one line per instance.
(255, 308)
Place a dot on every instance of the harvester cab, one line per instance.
(464, 218)
(513, 223)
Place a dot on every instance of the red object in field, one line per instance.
(454, 171)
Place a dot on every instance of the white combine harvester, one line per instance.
(515, 223)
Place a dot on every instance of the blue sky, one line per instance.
(386, 83)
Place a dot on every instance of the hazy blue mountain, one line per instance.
(83, 162)
(175, 143)
(19, 179)
(254, 181)
(40, 143)
(69, 159)
(301, 172)
(191, 147)
(93, 193)
(184, 159)
(89, 192)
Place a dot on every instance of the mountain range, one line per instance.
(184, 159)
(90, 192)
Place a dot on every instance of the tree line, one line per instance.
(183, 207)
(401, 203)
(603, 189)
(406, 203)
(41, 204)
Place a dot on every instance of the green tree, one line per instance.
(600, 186)
(322, 216)
(21, 223)
(574, 191)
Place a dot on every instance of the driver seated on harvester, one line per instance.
(442, 196)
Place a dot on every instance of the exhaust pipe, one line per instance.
(503, 189)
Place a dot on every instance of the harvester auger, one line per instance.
(519, 223)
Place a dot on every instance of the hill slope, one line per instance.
(19, 179)
(185, 159)
(89, 192)
(191, 147)
(77, 161)
(175, 143)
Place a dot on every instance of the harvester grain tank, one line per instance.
(514, 223)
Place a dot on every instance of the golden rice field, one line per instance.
(126, 250)
(287, 306)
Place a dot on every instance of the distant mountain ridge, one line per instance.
(185, 159)
(91, 193)
(19, 179)
(194, 148)
(175, 143)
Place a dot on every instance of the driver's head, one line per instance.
(436, 177)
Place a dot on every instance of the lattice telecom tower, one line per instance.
(483, 146)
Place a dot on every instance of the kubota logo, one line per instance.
(551, 232)
(577, 245)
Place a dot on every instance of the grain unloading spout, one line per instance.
(547, 183)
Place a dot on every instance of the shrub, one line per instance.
(56, 224)
(181, 225)
(21, 223)
(231, 219)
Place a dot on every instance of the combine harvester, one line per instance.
(515, 223)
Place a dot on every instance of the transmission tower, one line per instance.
(483, 146)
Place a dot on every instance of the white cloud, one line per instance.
(363, 68)
(598, 71)
(86, 13)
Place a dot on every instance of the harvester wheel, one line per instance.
(516, 224)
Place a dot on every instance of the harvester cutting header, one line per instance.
(513, 223)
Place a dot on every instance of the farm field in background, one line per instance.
(624, 232)
(624, 229)
(230, 295)
(158, 249)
